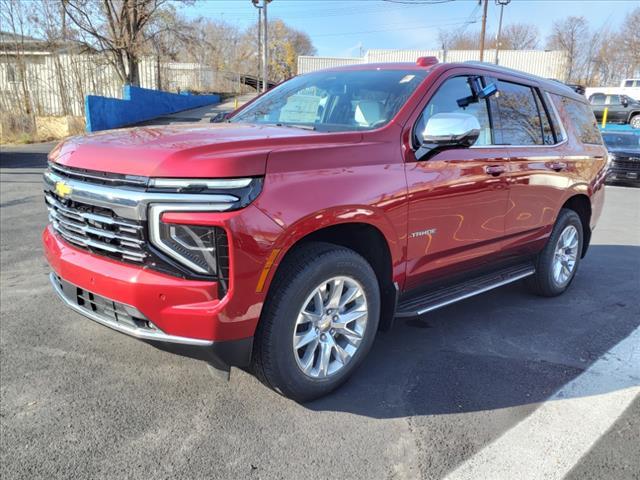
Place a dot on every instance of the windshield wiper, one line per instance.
(295, 125)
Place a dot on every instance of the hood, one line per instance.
(205, 151)
(626, 152)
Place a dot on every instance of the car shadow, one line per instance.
(501, 349)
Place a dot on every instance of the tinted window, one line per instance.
(614, 99)
(582, 118)
(335, 101)
(598, 98)
(519, 119)
(446, 99)
(547, 130)
(628, 83)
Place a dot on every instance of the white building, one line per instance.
(544, 63)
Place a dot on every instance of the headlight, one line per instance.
(194, 246)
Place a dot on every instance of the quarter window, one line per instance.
(445, 100)
(582, 118)
(519, 117)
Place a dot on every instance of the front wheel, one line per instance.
(319, 321)
(558, 262)
(635, 121)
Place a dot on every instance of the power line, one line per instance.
(423, 27)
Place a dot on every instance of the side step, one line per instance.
(442, 296)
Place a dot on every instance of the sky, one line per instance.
(349, 27)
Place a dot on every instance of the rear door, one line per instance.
(538, 169)
(457, 197)
(617, 111)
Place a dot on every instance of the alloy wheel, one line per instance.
(330, 327)
(565, 256)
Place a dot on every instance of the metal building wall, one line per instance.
(548, 64)
(308, 64)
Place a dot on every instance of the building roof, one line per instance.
(10, 42)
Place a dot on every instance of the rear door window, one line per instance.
(547, 129)
(598, 99)
(520, 122)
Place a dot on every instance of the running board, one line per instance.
(442, 296)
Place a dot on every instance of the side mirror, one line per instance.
(448, 130)
(625, 102)
(220, 117)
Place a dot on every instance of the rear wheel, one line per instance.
(558, 262)
(319, 322)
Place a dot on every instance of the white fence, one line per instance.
(545, 63)
(57, 84)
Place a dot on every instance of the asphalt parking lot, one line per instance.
(464, 388)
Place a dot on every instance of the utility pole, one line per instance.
(484, 28)
(263, 50)
(502, 4)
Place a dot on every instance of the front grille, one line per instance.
(623, 165)
(101, 231)
(96, 229)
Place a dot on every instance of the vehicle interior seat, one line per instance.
(368, 113)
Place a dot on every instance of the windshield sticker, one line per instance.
(300, 109)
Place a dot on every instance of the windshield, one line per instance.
(335, 101)
(622, 140)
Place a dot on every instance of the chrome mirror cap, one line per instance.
(451, 129)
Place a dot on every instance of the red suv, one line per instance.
(287, 236)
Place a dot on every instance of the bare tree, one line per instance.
(15, 19)
(630, 41)
(572, 35)
(519, 36)
(117, 27)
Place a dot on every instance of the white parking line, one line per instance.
(550, 441)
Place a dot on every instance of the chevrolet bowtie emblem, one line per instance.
(63, 190)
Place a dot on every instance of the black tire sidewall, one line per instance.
(281, 368)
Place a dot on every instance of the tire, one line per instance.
(635, 121)
(276, 361)
(550, 280)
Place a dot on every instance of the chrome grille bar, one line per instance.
(88, 175)
(88, 242)
(96, 231)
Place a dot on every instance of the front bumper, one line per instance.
(171, 313)
(624, 171)
(130, 321)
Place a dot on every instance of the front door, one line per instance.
(457, 198)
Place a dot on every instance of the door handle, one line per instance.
(495, 170)
(557, 166)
